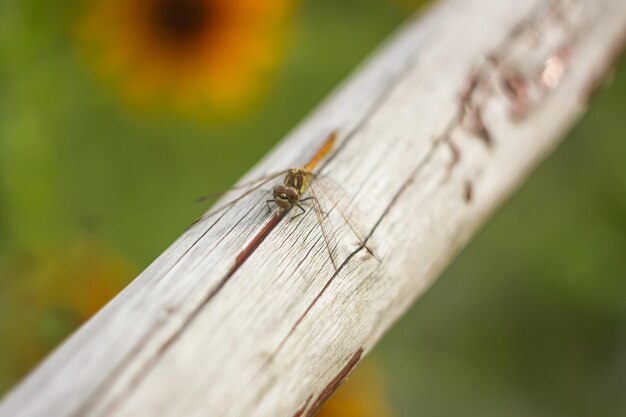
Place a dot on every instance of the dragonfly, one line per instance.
(299, 185)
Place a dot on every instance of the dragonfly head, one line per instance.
(285, 196)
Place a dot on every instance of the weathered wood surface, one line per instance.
(434, 132)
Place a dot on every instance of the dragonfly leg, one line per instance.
(268, 202)
(302, 211)
(318, 203)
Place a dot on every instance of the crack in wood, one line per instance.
(524, 90)
(468, 192)
(477, 81)
(300, 412)
(240, 259)
(467, 106)
(332, 386)
(117, 370)
(389, 206)
(376, 104)
(478, 128)
(518, 90)
(255, 242)
(243, 255)
(306, 255)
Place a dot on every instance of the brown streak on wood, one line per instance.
(479, 128)
(301, 410)
(239, 260)
(334, 383)
(468, 192)
(393, 201)
(135, 375)
(455, 154)
(472, 83)
(516, 87)
(310, 306)
(256, 241)
(91, 400)
(470, 112)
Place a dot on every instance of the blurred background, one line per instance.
(116, 114)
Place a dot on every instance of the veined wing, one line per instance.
(263, 179)
(320, 220)
(338, 197)
(255, 185)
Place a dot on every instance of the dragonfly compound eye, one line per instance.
(292, 194)
(279, 190)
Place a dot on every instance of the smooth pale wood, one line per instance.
(424, 157)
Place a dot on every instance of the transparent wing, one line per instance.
(255, 185)
(339, 200)
(262, 180)
(320, 219)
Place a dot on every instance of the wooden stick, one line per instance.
(244, 315)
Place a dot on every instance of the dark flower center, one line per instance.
(181, 20)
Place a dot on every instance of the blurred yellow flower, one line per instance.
(194, 56)
(362, 395)
(52, 293)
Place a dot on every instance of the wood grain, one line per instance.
(434, 132)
